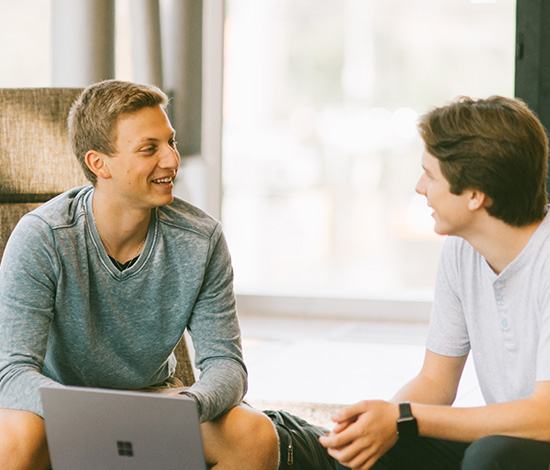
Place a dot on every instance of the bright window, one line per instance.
(320, 152)
(25, 56)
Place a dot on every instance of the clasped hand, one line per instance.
(363, 433)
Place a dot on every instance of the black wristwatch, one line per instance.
(407, 426)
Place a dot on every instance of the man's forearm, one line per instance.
(529, 419)
(222, 385)
(424, 390)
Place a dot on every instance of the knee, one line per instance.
(481, 454)
(22, 442)
(255, 430)
(495, 453)
(12, 454)
(242, 438)
(16, 455)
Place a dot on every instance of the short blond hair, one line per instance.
(94, 115)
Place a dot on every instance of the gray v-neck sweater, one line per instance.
(69, 316)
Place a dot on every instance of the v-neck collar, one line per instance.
(104, 257)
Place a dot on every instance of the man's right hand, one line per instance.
(363, 433)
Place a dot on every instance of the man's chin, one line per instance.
(439, 230)
(164, 201)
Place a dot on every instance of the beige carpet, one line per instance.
(315, 413)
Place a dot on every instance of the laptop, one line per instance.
(90, 428)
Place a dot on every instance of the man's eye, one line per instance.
(173, 143)
(148, 149)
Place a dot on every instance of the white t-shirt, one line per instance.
(504, 320)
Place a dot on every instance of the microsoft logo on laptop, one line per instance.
(125, 448)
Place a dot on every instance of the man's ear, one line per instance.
(478, 200)
(96, 163)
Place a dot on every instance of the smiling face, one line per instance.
(450, 211)
(140, 174)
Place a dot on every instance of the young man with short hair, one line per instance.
(98, 285)
(485, 168)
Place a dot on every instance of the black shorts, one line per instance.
(299, 446)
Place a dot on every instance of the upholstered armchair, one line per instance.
(36, 164)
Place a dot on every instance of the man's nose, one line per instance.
(170, 157)
(420, 187)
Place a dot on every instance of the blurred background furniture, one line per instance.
(37, 163)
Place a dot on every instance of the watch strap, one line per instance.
(405, 410)
(407, 427)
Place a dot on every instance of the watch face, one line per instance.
(407, 427)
